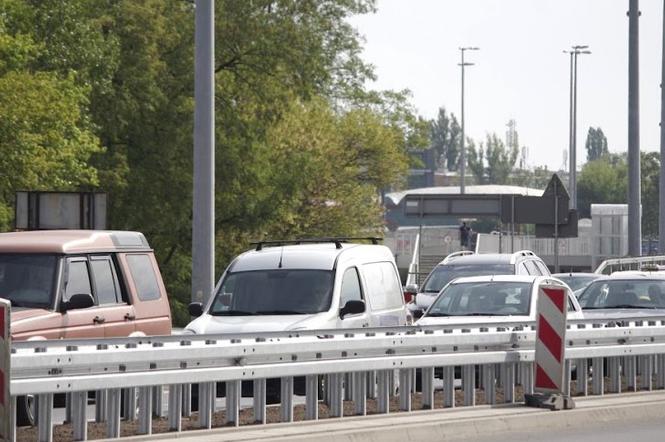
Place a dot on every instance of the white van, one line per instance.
(304, 285)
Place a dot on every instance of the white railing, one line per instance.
(617, 264)
(491, 243)
(366, 366)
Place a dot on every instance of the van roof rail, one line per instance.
(337, 240)
(457, 255)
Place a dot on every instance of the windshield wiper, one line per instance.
(279, 312)
(431, 291)
(482, 314)
(232, 313)
(629, 306)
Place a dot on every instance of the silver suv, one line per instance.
(466, 263)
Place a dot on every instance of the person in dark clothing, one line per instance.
(464, 234)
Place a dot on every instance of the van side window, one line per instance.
(143, 274)
(107, 287)
(350, 290)
(383, 286)
(78, 279)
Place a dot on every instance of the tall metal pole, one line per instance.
(462, 167)
(573, 151)
(571, 162)
(203, 225)
(634, 192)
(661, 185)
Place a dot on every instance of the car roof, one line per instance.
(636, 275)
(574, 274)
(71, 241)
(484, 258)
(497, 278)
(317, 256)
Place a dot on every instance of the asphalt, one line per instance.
(633, 416)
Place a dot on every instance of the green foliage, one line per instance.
(445, 133)
(475, 160)
(596, 144)
(493, 162)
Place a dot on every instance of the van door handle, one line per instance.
(98, 320)
(129, 317)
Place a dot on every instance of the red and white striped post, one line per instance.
(5, 359)
(550, 361)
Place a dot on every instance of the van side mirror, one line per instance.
(78, 301)
(352, 307)
(195, 309)
(411, 288)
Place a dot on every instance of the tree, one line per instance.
(493, 162)
(445, 134)
(596, 144)
(475, 159)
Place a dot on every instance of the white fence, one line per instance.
(365, 366)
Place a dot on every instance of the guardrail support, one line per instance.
(145, 410)
(158, 401)
(582, 377)
(567, 376)
(647, 372)
(336, 395)
(630, 372)
(286, 398)
(527, 376)
(383, 391)
(427, 386)
(233, 393)
(614, 373)
(260, 401)
(175, 407)
(79, 408)
(348, 386)
(371, 385)
(469, 384)
(186, 400)
(448, 386)
(206, 404)
(660, 371)
(488, 383)
(129, 404)
(312, 397)
(45, 423)
(405, 388)
(598, 376)
(100, 406)
(359, 396)
(113, 413)
(508, 382)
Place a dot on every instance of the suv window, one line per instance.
(143, 274)
(27, 280)
(78, 278)
(383, 286)
(107, 287)
(350, 290)
(443, 274)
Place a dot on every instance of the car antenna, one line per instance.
(281, 254)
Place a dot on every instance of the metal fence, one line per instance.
(384, 367)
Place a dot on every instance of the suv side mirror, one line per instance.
(352, 307)
(195, 309)
(78, 301)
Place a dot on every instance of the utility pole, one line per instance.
(634, 191)
(572, 150)
(203, 217)
(462, 168)
(661, 184)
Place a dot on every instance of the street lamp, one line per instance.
(463, 141)
(572, 136)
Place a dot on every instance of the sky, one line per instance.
(520, 71)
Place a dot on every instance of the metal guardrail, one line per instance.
(356, 364)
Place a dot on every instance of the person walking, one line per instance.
(464, 235)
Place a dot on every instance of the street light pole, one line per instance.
(572, 153)
(634, 190)
(462, 168)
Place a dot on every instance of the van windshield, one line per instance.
(27, 280)
(274, 292)
(443, 274)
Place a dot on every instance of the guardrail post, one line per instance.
(336, 395)
(567, 377)
(158, 401)
(175, 407)
(405, 389)
(113, 413)
(469, 384)
(45, 422)
(488, 384)
(527, 376)
(145, 410)
(312, 397)
(348, 386)
(68, 407)
(630, 372)
(100, 406)
(186, 400)
(130, 403)
(371, 385)
(582, 376)
(427, 386)
(359, 396)
(260, 401)
(327, 389)
(383, 391)
(79, 408)
(598, 376)
(660, 371)
(614, 372)
(233, 393)
(508, 382)
(206, 404)
(448, 386)
(286, 398)
(647, 372)
(12, 419)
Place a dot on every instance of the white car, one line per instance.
(488, 299)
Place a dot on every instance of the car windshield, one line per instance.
(496, 298)
(28, 280)
(576, 282)
(624, 293)
(443, 274)
(274, 292)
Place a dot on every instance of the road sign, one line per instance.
(568, 230)
(532, 209)
(457, 205)
(5, 358)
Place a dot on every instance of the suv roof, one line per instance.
(315, 256)
(71, 241)
(503, 278)
(487, 258)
